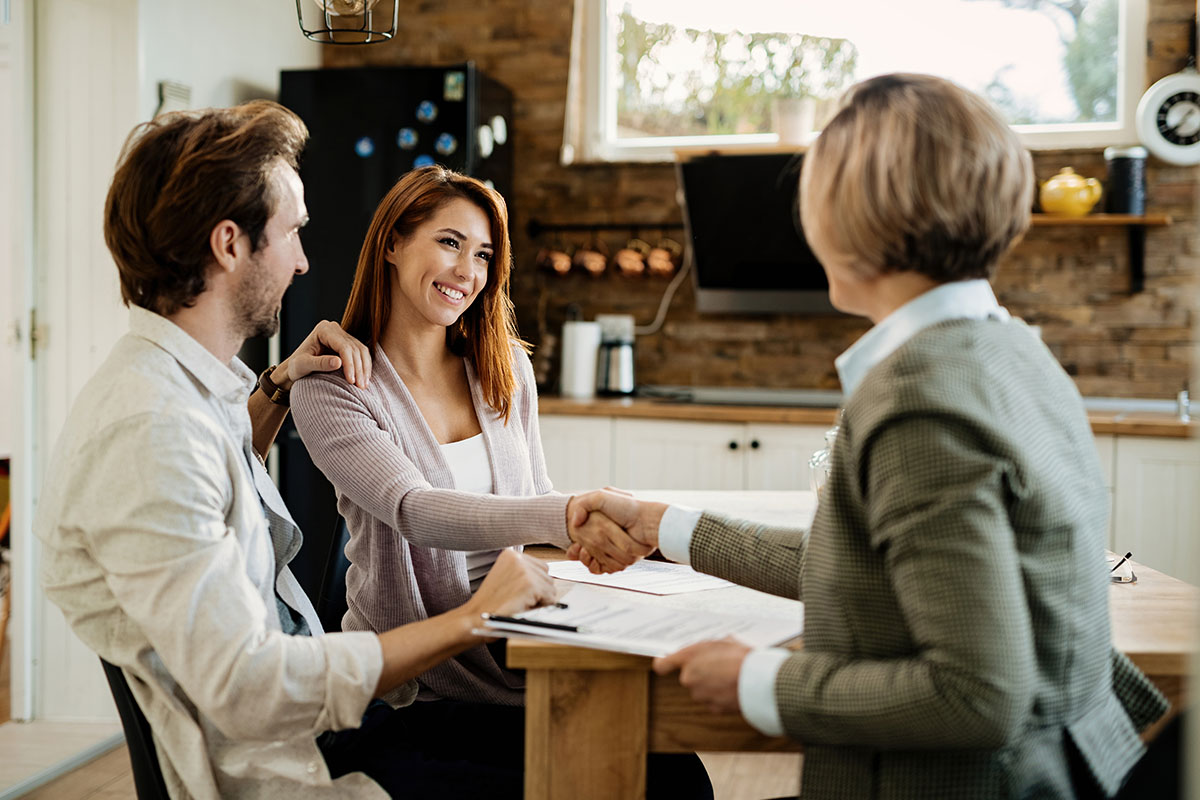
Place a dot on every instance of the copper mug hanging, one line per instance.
(630, 260)
(592, 257)
(554, 259)
(663, 258)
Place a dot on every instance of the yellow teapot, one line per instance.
(1069, 195)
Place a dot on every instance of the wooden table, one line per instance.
(591, 716)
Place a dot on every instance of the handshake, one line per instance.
(610, 529)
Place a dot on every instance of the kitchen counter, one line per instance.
(1109, 421)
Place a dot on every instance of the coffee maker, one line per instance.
(614, 362)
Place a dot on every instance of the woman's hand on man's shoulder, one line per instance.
(329, 348)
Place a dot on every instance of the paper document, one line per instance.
(627, 624)
(652, 577)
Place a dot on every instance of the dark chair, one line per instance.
(147, 775)
(331, 604)
(1160, 772)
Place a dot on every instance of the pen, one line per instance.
(1124, 558)
(535, 623)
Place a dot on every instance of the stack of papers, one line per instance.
(652, 577)
(605, 620)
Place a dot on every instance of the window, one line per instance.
(649, 76)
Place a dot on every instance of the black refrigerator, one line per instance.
(367, 127)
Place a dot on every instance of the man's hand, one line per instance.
(710, 671)
(514, 584)
(326, 349)
(638, 518)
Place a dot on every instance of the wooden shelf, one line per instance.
(1135, 226)
(1145, 220)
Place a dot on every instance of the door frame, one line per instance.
(23, 625)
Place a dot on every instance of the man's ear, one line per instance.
(228, 243)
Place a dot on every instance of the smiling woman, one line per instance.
(438, 463)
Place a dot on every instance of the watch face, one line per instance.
(1178, 118)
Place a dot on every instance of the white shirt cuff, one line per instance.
(675, 532)
(756, 689)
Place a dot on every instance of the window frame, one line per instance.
(598, 104)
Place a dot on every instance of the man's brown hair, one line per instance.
(178, 176)
(916, 173)
(487, 331)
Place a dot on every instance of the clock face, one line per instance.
(1168, 118)
(1178, 118)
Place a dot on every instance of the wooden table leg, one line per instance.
(586, 734)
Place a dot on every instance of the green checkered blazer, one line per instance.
(956, 640)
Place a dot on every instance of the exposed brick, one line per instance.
(1072, 281)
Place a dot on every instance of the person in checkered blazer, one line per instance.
(956, 632)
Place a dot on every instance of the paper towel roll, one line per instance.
(580, 341)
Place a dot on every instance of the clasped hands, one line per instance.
(610, 530)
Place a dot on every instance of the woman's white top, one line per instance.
(472, 471)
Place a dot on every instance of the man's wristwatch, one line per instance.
(276, 395)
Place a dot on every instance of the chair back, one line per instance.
(331, 606)
(1160, 773)
(147, 774)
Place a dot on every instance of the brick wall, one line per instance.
(1073, 282)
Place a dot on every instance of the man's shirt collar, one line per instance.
(231, 382)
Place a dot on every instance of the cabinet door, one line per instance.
(777, 455)
(1157, 504)
(578, 451)
(657, 454)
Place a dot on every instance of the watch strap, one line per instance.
(279, 397)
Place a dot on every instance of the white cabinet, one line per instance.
(1106, 449)
(1157, 503)
(661, 454)
(578, 451)
(1153, 482)
(657, 454)
(778, 455)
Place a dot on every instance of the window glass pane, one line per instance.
(688, 68)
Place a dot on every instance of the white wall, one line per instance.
(97, 69)
(10, 49)
(228, 51)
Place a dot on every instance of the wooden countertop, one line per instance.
(1103, 422)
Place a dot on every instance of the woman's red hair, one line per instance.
(487, 331)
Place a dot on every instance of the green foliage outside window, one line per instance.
(685, 82)
(681, 81)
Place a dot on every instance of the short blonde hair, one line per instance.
(916, 173)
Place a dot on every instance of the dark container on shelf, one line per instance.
(1125, 187)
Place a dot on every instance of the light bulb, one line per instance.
(346, 8)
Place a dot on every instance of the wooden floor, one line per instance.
(106, 778)
(5, 688)
(753, 776)
(735, 777)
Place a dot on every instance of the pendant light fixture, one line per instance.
(348, 21)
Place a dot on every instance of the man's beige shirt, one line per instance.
(156, 548)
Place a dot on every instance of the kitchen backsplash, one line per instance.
(1071, 281)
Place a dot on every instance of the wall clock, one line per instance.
(1168, 118)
